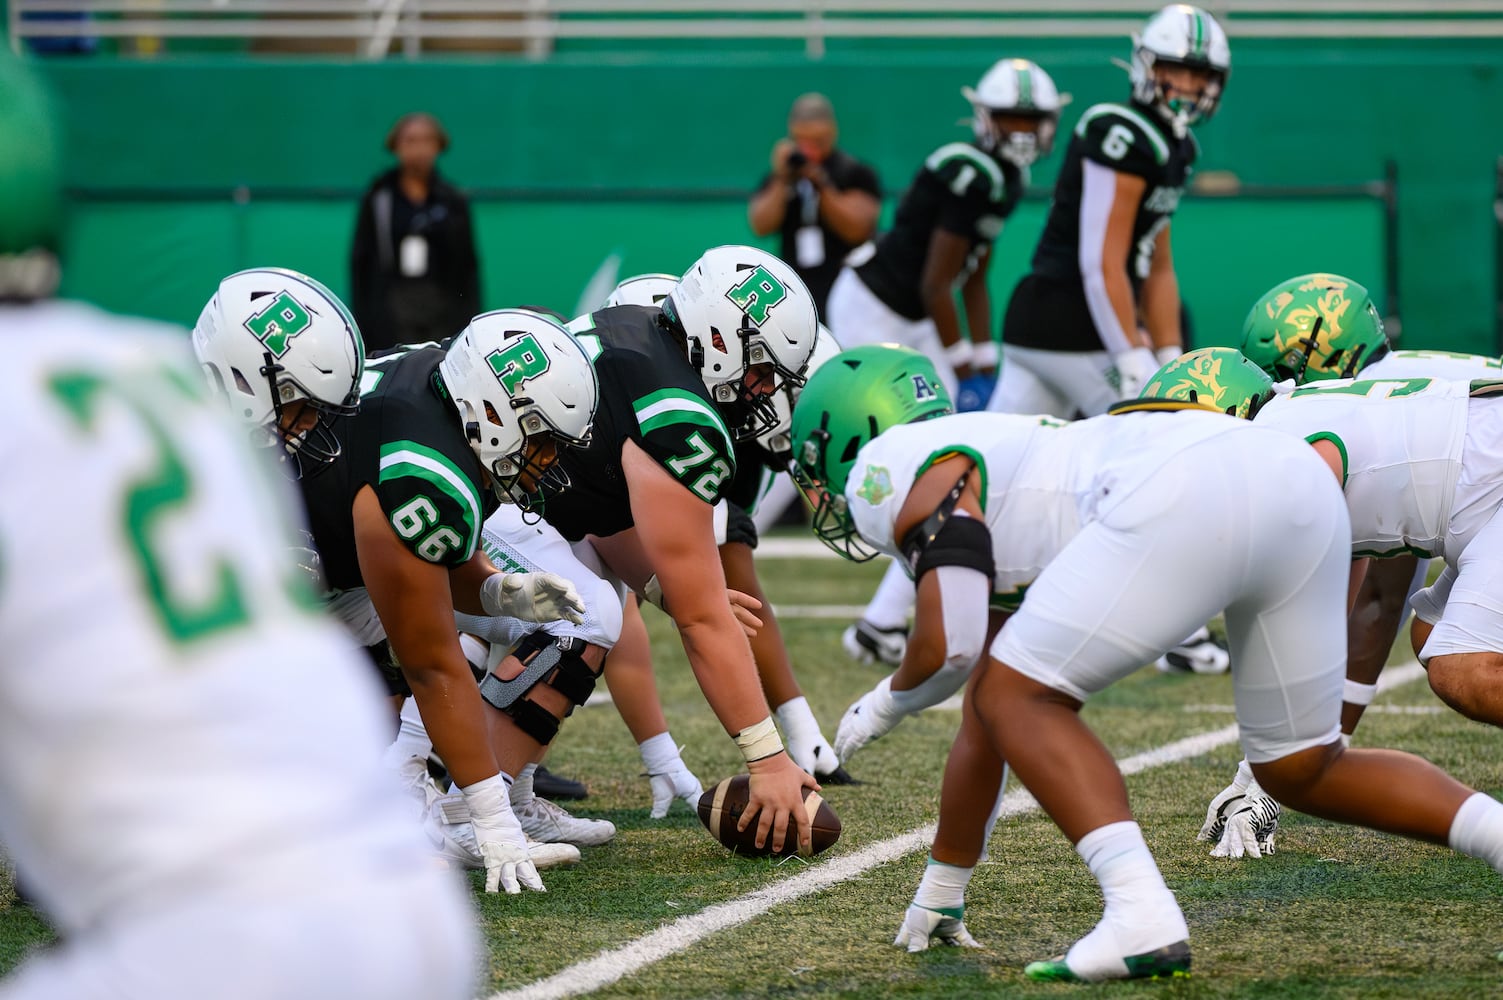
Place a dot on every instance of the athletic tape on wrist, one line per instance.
(1359, 694)
(984, 354)
(759, 741)
(1168, 353)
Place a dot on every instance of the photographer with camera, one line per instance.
(821, 200)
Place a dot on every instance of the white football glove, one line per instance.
(1215, 820)
(676, 783)
(498, 836)
(921, 925)
(531, 597)
(1135, 366)
(1251, 823)
(872, 716)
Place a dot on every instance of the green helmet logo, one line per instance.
(851, 399)
(1216, 377)
(1315, 326)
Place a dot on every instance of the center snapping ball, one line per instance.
(720, 809)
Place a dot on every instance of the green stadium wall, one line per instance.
(594, 159)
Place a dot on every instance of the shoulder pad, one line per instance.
(950, 161)
(1116, 129)
(688, 437)
(432, 504)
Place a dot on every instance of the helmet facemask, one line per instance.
(316, 447)
(1020, 147)
(748, 401)
(1180, 112)
(542, 444)
(831, 521)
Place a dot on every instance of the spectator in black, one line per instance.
(414, 274)
(822, 201)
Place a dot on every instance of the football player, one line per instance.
(1421, 475)
(736, 535)
(678, 384)
(442, 438)
(190, 772)
(942, 238)
(1104, 506)
(1103, 267)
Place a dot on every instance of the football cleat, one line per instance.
(1169, 962)
(552, 824)
(866, 643)
(556, 786)
(1202, 653)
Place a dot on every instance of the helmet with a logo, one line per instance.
(524, 388)
(1180, 35)
(270, 339)
(1315, 326)
(1216, 377)
(854, 397)
(743, 311)
(1022, 89)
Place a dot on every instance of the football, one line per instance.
(720, 810)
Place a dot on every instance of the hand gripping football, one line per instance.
(720, 809)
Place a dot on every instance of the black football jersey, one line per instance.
(407, 444)
(1129, 139)
(960, 189)
(651, 395)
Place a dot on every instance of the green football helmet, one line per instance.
(851, 399)
(30, 185)
(1220, 378)
(1315, 326)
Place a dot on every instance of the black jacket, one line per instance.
(393, 308)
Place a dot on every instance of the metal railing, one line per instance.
(372, 28)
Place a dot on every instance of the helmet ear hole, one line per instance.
(241, 382)
(492, 415)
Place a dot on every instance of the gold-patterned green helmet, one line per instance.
(1315, 326)
(1215, 377)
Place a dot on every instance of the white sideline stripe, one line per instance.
(1371, 709)
(795, 548)
(608, 967)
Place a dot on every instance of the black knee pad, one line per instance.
(555, 661)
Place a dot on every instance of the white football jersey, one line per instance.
(174, 713)
(1446, 365)
(1401, 442)
(1041, 479)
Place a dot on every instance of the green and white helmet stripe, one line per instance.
(408, 458)
(679, 406)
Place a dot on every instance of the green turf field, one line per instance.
(1336, 913)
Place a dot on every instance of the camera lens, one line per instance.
(797, 160)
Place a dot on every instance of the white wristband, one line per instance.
(984, 354)
(1164, 355)
(759, 740)
(1359, 694)
(959, 353)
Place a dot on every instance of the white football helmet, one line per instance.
(643, 290)
(777, 439)
(1180, 35)
(739, 307)
(1015, 87)
(270, 337)
(514, 374)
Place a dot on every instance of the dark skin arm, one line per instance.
(946, 259)
(465, 581)
(977, 298)
(413, 600)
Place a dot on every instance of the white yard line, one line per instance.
(610, 966)
(807, 547)
(847, 611)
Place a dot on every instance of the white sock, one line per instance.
(412, 738)
(521, 788)
(943, 888)
(797, 720)
(1141, 914)
(660, 754)
(1477, 829)
(891, 604)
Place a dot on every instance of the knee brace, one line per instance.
(557, 661)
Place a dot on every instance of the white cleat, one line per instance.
(543, 821)
(866, 643)
(1202, 653)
